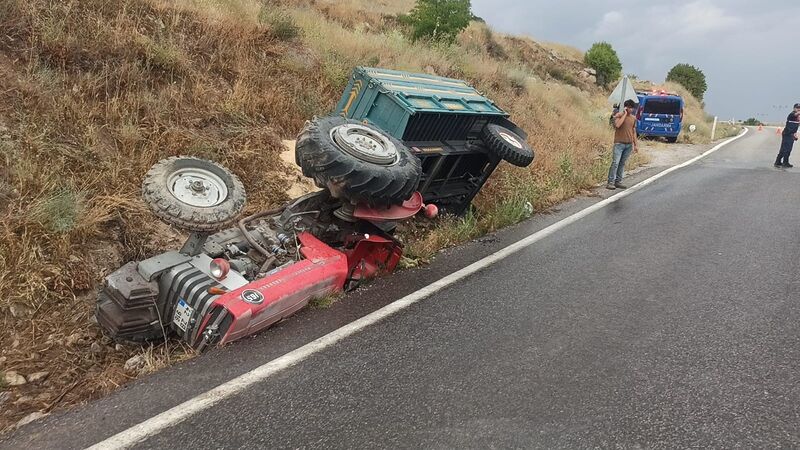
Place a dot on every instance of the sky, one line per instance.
(748, 50)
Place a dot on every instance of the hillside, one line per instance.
(93, 92)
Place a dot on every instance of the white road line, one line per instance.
(175, 415)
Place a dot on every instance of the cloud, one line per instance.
(612, 23)
(745, 48)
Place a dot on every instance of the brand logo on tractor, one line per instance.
(251, 296)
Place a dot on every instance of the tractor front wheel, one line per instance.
(193, 194)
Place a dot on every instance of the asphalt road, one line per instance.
(667, 319)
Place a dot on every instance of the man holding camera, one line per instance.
(788, 138)
(624, 143)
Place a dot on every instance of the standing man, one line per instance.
(788, 138)
(624, 143)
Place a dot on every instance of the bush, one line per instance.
(438, 20)
(752, 122)
(602, 58)
(689, 77)
(281, 25)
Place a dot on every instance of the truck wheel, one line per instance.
(507, 145)
(356, 161)
(672, 139)
(193, 194)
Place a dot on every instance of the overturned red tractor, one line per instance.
(402, 140)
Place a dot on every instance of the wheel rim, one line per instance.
(365, 143)
(197, 187)
(511, 140)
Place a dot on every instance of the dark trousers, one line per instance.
(786, 149)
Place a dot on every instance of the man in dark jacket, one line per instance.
(788, 138)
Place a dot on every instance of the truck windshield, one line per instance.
(662, 106)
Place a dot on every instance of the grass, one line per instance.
(93, 92)
(324, 302)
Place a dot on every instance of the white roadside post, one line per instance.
(714, 129)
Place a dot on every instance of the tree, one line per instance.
(752, 122)
(603, 59)
(689, 77)
(439, 20)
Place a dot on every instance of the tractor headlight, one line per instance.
(219, 268)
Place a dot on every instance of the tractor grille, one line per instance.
(190, 284)
(442, 127)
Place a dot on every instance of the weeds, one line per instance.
(324, 302)
(59, 212)
(281, 24)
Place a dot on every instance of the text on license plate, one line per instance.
(183, 313)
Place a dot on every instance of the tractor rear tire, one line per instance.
(365, 166)
(507, 145)
(193, 194)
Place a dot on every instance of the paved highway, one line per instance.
(668, 318)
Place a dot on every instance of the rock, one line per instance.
(3, 359)
(12, 378)
(590, 71)
(44, 397)
(23, 399)
(37, 377)
(119, 347)
(15, 344)
(135, 363)
(96, 347)
(30, 418)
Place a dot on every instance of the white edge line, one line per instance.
(174, 415)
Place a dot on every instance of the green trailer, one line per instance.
(459, 135)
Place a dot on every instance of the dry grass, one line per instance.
(93, 92)
(565, 51)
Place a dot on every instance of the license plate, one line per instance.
(183, 313)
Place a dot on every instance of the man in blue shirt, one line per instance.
(788, 138)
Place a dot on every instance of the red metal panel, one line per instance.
(274, 297)
(407, 210)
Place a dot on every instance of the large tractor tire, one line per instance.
(193, 194)
(357, 162)
(507, 145)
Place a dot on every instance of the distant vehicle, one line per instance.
(660, 114)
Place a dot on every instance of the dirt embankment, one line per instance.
(92, 93)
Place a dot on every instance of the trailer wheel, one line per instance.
(507, 145)
(193, 194)
(357, 161)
